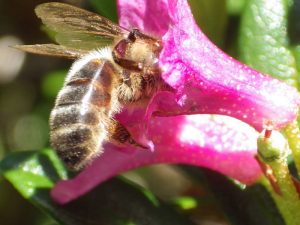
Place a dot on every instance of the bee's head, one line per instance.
(137, 51)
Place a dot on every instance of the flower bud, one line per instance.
(274, 147)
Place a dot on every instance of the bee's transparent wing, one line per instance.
(82, 41)
(75, 27)
(52, 50)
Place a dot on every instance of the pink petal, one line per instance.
(205, 78)
(213, 142)
(209, 81)
(149, 16)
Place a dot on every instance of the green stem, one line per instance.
(273, 151)
(288, 211)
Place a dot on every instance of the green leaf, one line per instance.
(31, 171)
(205, 13)
(263, 40)
(115, 202)
(106, 8)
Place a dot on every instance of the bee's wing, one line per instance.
(82, 41)
(52, 50)
(78, 28)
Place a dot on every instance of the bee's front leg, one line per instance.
(131, 87)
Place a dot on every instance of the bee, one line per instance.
(100, 82)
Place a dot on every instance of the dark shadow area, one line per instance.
(48, 168)
(50, 171)
(243, 206)
(292, 167)
(14, 209)
(294, 23)
(111, 203)
(231, 36)
(14, 160)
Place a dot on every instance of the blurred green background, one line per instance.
(29, 84)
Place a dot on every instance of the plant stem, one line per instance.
(273, 152)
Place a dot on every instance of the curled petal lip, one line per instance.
(209, 81)
(206, 79)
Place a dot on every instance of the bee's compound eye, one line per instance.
(132, 35)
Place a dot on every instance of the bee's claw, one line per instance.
(145, 146)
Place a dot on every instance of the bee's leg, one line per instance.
(131, 87)
(120, 136)
(151, 70)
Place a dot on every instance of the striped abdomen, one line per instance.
(78, 122)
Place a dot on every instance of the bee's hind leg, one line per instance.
(120, 136)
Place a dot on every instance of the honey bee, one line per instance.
(100, 81)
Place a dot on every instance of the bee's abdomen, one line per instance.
(74, 144)
(77, 122)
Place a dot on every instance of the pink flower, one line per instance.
(207, 81)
